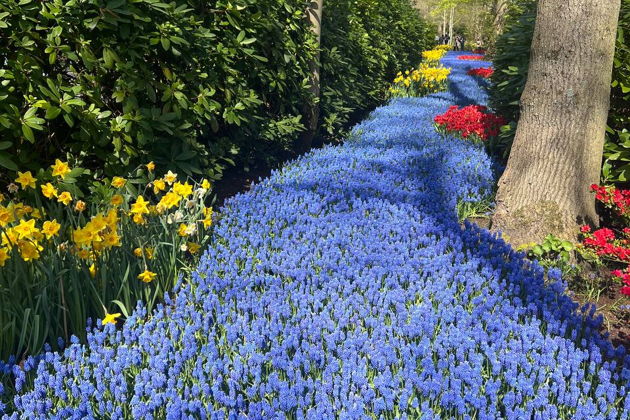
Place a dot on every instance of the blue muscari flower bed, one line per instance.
(344, 287)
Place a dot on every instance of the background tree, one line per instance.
(558, 146)
(311, 109)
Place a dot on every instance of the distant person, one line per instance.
(462, 42)
(447, 39)
(458, 42)
(437, 39)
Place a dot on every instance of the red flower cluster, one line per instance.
(479, 51)
(625, 277)
(604, 243)
(470, 122)
(612, 198)
(470, 57)
(485, 72)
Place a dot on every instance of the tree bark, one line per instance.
(443, 23)
(311, 110)
(450, 30)
(500, 7)
(557, 150)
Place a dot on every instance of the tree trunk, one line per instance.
(557, 150)
(450, 30)
(500, 7)
(311, 110)
(443, 22)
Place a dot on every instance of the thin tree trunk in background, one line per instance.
(557, 150)
(311, 110)
(500, 8)
(450, 30)
(444, 22)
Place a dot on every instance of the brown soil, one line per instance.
(236, 181)
(609, 304)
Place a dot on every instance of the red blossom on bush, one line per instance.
(471, 57)
(485, 72)
(479, 51)
(605, 243)
(613, 198)
(625, 277)
(470, 122)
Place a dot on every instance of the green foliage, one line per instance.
(552, 248)
(475, 209)
(122, 83)
(364, 44)
(616, 166)
(511, 63)
(554, 252)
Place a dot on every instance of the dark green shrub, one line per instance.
(364, 44)
(617, 149)
(127, 82)
(511, 63)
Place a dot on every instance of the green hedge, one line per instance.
(187, 84)
(617, 149)
(125, 82)
(511, 63)
(364, 44)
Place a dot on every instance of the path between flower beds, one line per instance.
(344, 287)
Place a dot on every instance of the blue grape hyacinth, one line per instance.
(344, 287)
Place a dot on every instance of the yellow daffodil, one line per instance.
(138, 219)
(25, 179)
(182, 230)
(170, 177)
(4, 256)
(138, 252)
(183, 190)
(150, 166)
(149, 252)
(118, 182)
(111, 239)
(169, 200)
(92, 270)
(60, 168)
(112, 218)
(80, 206)
(50, 228)
(6, 216)
(116, 200)
(65, 198)
(193, 248)
(98, 222)
(207, 220)
(29, 250)
(147, 276)
(83, 253)
(140, 206)
(158, 185)
(205, 184)
(26, 228)
(110, 318)
(49, 190)
(9, 237)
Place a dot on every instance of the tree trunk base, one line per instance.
(533, 222)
